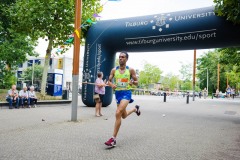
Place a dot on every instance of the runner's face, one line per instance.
(122, 59)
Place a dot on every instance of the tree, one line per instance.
(230, 56)
(186, 76)
(150, 74)
(186, 71)
(233, 77)
(229, 9)
(14, 46)
(210, 61)
(171, 82)
(187, 85)
(7, 77)
(37, 74)
(52, 20)
(230, 59)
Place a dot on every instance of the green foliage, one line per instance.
(186, 71)
(37, 74)
(7, 80)
(151, 74)
(14, 46)
(6, 76)
(187, 85)
(229, 9)
(50, 18)
(186, 77)
(234, 77)
(228, 58)
(171, 82)
(15, 49)
(209, 61)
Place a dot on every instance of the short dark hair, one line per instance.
(99, 74)
(125, 53)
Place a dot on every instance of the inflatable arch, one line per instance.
(184, 30)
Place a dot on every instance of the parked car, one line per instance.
(191, 94)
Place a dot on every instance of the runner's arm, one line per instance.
(111, 78)
(134, 80)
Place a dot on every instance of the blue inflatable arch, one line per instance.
(184, 30)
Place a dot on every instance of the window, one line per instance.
(37, 61)
(19, 74)
(30, 63)
(20, 65)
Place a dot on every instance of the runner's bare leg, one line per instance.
(119, 112)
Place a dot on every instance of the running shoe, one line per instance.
(111, 142)
(138, 110)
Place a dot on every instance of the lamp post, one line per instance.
(194, 72)
(207, 78)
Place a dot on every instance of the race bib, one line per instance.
(122, 82)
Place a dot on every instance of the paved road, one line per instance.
(201, 130)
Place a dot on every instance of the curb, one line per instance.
(5, 104)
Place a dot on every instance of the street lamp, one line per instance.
(207, 78)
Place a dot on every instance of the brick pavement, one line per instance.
(203, 129)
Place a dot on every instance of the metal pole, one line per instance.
(164, 96)
(32, 71)
(218, 76)
(76, 54)
(194, 73)
(187, 98)
(207, 80)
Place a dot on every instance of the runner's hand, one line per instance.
(113, 86)
(131, 82)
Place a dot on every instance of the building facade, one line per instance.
(61, 63)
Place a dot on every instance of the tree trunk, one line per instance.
(46, 67)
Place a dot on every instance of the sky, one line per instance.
(168, 62)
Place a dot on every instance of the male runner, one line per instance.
(124, 77)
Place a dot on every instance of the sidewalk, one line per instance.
(202, 129)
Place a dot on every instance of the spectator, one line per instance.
(205, 93)
(33, 97)
(23, 95)
(13, 97)
(228, 90)
(200, 94)
(100, 90)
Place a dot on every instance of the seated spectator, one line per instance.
(12, 97)
(23, 95)
(33, 97)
